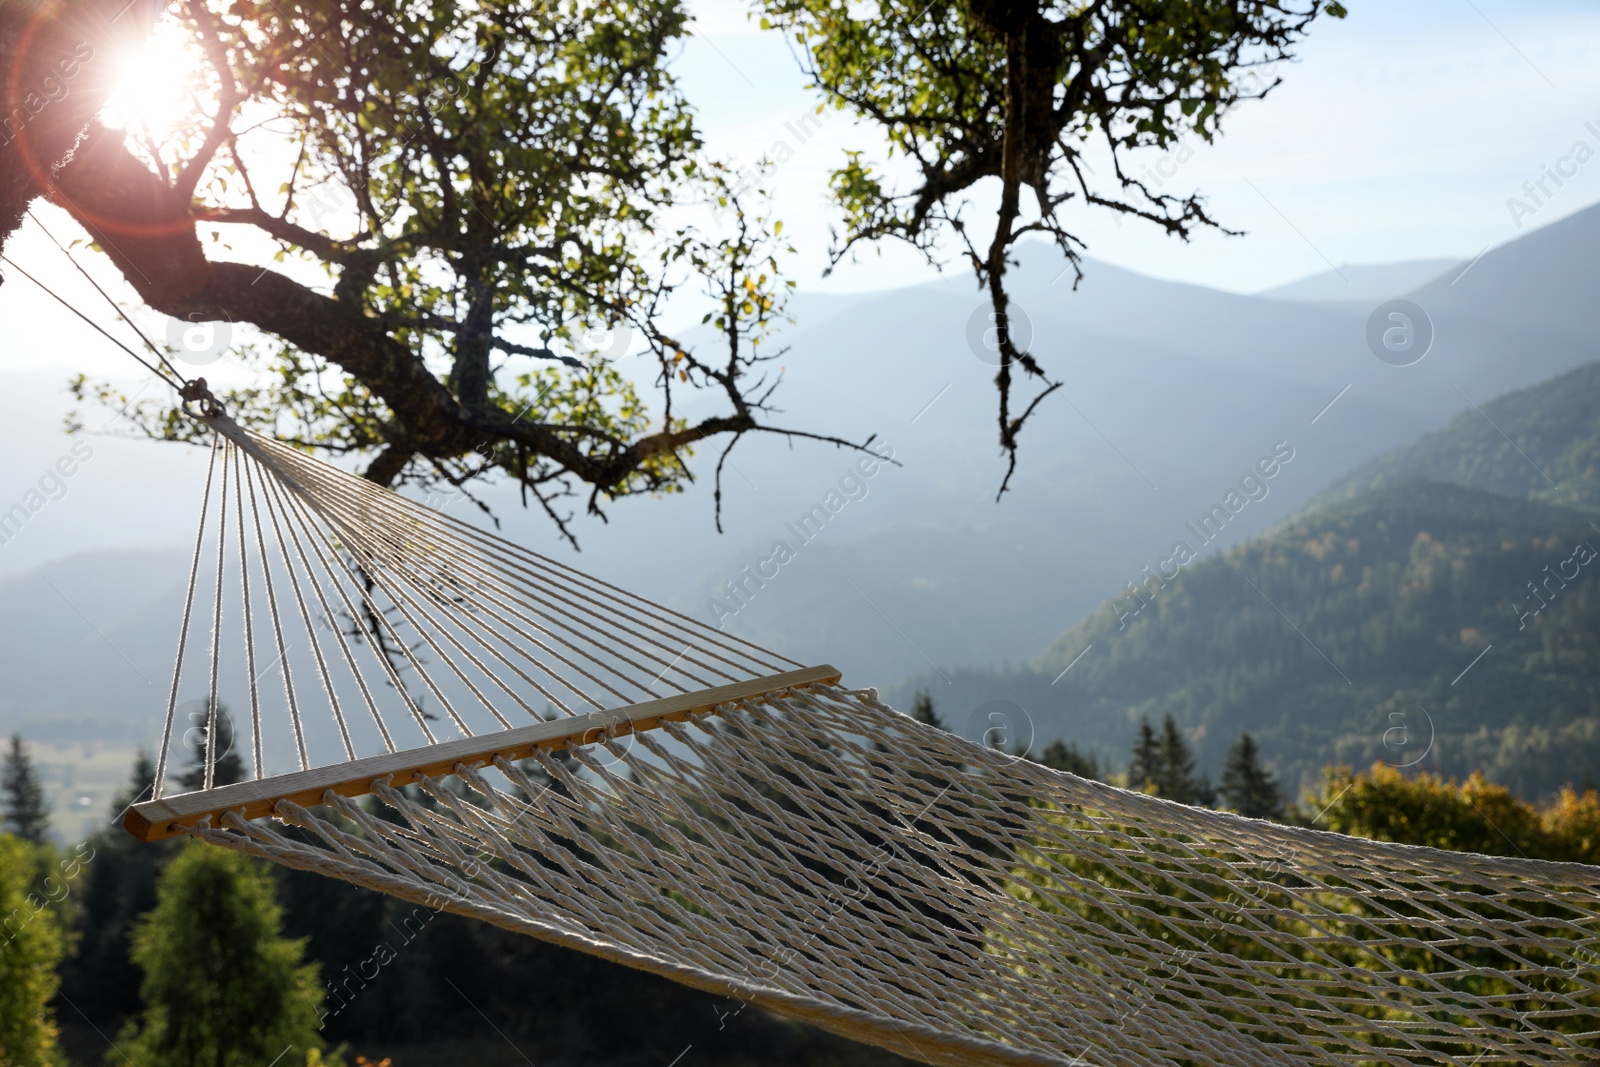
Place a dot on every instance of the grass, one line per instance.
(80, 780)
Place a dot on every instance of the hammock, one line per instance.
(515, 741)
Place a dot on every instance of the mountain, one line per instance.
(1363, 281)
(1357, 624)
(86, 646)
(1172, 391)
(1541, 443)
(1422, 624)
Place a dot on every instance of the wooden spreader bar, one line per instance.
(157, 819)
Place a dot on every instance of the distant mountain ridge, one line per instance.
(1363, 281)
(86, 646)
(1542, 443)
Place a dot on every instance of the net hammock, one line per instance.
(503, 737)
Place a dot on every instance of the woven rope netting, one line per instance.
(812, 851)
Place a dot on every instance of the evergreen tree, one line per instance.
(230, 768)
(30, 949)
(1246, 786)
(1060, 756)
(1144, 768)
(1175, 778)
(922, 709)
(26, 813)
(222, 986)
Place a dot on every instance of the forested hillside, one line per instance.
(1355, 633)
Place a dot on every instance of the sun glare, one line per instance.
(155, 89)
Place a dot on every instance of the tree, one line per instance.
(484, 187)
(27, 814)
(1164, 766)
(1246, 786)
(1144, 767)
(1175, 777)
(1060, 756)
(222, 987)
(1040, 96)
(923, 711)
(1476, 815)
(229, 765)
(30, 949)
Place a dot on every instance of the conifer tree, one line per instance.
(1175, 777)
(30, 949)
(1247, 787)
(923, 711)
(1144, 768)
(1060, 756)
(222, 986)
(230, 767)
(27, 815)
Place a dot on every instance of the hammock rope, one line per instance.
(632, 783)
